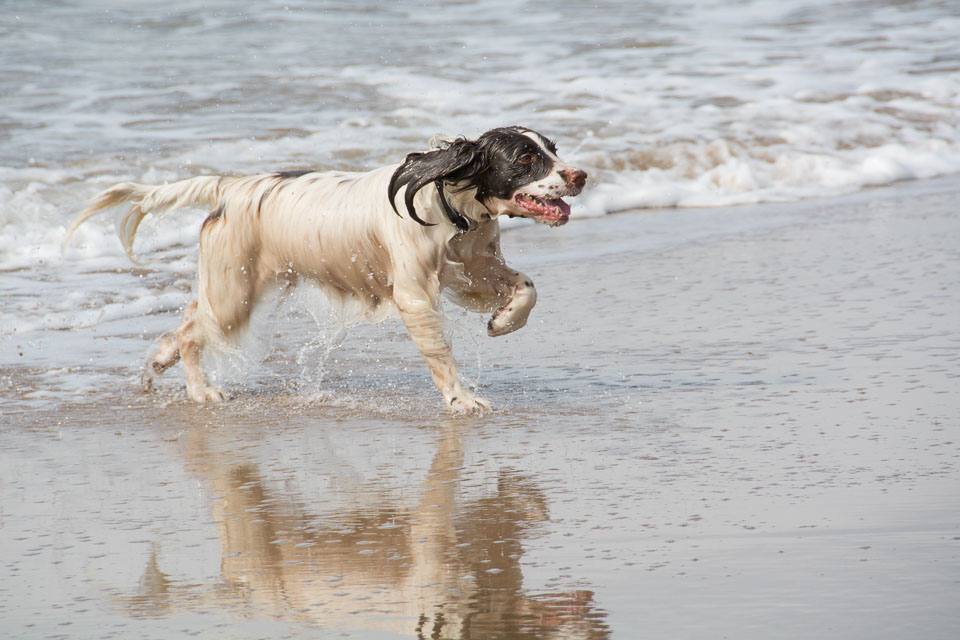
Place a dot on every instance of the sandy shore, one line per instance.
(720, 423)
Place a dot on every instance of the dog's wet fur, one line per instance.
(344, 231)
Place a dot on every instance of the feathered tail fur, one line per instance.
(203, 190)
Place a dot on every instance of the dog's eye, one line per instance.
(527, 158)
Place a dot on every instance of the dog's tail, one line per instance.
(203, 190)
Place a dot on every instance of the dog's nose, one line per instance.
(574, 177)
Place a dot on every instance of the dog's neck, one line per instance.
(461, 207)
(462, 223)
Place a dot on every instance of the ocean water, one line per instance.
(665, 104)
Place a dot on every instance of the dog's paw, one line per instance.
(501, 324)
(146, 381)
(513, 315)
(507, 320)
(467, 404)
(495, 328)
(204, 395)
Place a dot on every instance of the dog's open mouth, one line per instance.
(552, 211)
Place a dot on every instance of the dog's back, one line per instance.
(325, 227)
(322, 225)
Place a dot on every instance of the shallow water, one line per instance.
(750, 430)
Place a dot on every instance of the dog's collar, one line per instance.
(462, 223)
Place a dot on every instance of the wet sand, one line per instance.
(736, 423)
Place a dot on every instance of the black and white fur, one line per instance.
(344, 231)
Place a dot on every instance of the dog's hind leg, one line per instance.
(230, 281)
(166, 355)
(187, 343)
(190, 342)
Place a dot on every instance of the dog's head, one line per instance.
(512, 171)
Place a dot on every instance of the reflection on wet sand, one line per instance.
(447, 567)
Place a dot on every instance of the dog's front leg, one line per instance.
(514, 313)
(491, 285)
(421, 314)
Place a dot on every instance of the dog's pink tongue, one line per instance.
(561, 205)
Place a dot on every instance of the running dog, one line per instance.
(345, 232)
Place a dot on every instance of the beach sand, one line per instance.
(737, 422)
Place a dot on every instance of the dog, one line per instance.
(345, 231)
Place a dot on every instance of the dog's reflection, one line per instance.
(446, 567)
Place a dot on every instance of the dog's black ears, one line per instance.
(461, 159)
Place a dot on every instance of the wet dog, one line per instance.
(345, 232)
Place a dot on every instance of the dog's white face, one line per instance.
(537, 183)
(512, 171)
